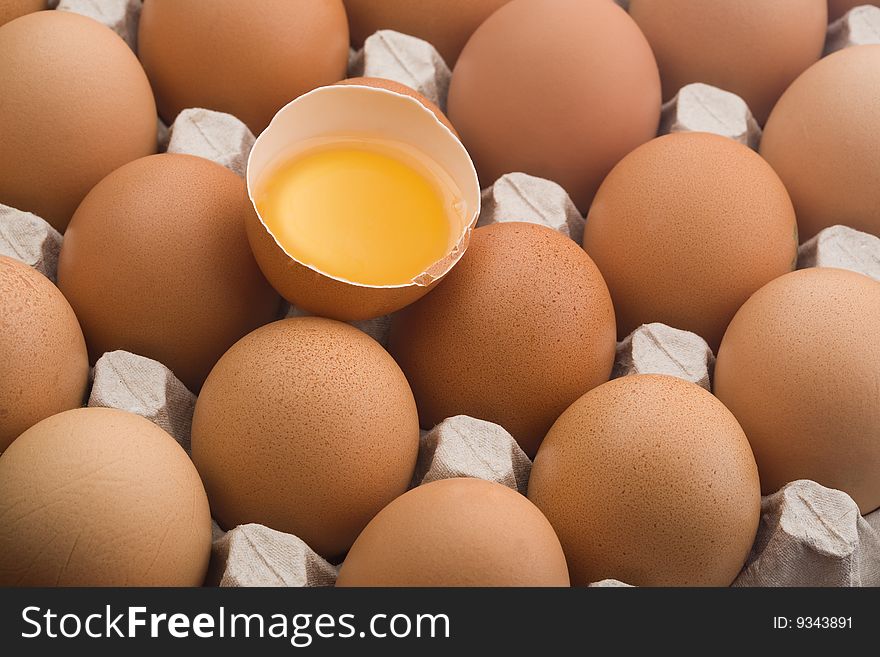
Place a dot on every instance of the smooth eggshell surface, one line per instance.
(457, 532)
(685, 229)
(156, 262)
(649, 480)
(559, 89)
(519, 329)
(823, 139)
(45, 366)
(12, 9)
(306, 426)
(800, 369)
(445, 24)
(753, 48)
(75, 106)
(246, 59)
(101, 497)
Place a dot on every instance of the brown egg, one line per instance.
(560, 89)
(397, 87)
(76, 105)
(837, 8)
(446, 24)
(237, 57)
(12, 9)
(823, 139)
(156, 262)
(101, 497)
(754, 48)
(799, 367)
(45, 364)
(306, 426)
(649, 479)
(520, 328)
(685, 228)
(457, 532)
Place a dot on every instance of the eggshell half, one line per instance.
(45, 366)
(247, 59)
(753, 48)
(521, 328)
(559, 89)
(397, 87)
(156, 262)
(800, 368)
(76, 105)
(685, 229)
(823, 139)
(649, 480)
(374, 111)
(306, 426)
(101, 497)
(457, 532)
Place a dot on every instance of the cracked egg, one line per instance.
(364, 200)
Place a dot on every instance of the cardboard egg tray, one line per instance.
(809, 535)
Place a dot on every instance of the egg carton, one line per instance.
(860, 26)
(809, 535)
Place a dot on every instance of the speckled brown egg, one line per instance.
(800, 368)
(837, 8)
(560, 89)
(75, 106)
(649, 479)
(101, 497)
(12, 9)
(156, 262)
(243, 58)
(45, 366)
(685, 228)
(397, 87)
(457, 532)
(515, 333)
(823, 139)
(446, 24)
(754, 48)
(306, 426)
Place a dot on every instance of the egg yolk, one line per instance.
(359, 213)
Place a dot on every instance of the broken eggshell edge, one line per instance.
(354, 110)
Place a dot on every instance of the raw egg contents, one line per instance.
(360, 211)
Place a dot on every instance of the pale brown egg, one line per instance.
(753, 48)
(242, 58)
(156, 262)
(520, 328)
(397, 87)
(45, 366)
(76, 105)
(686, 228)
(823, 139)
(649, 479)
(307, 426)
(800, 368)
(445, 24)
(12, 9)
(457, 532)
(560, 89)
(101, 497)
(837, 8)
